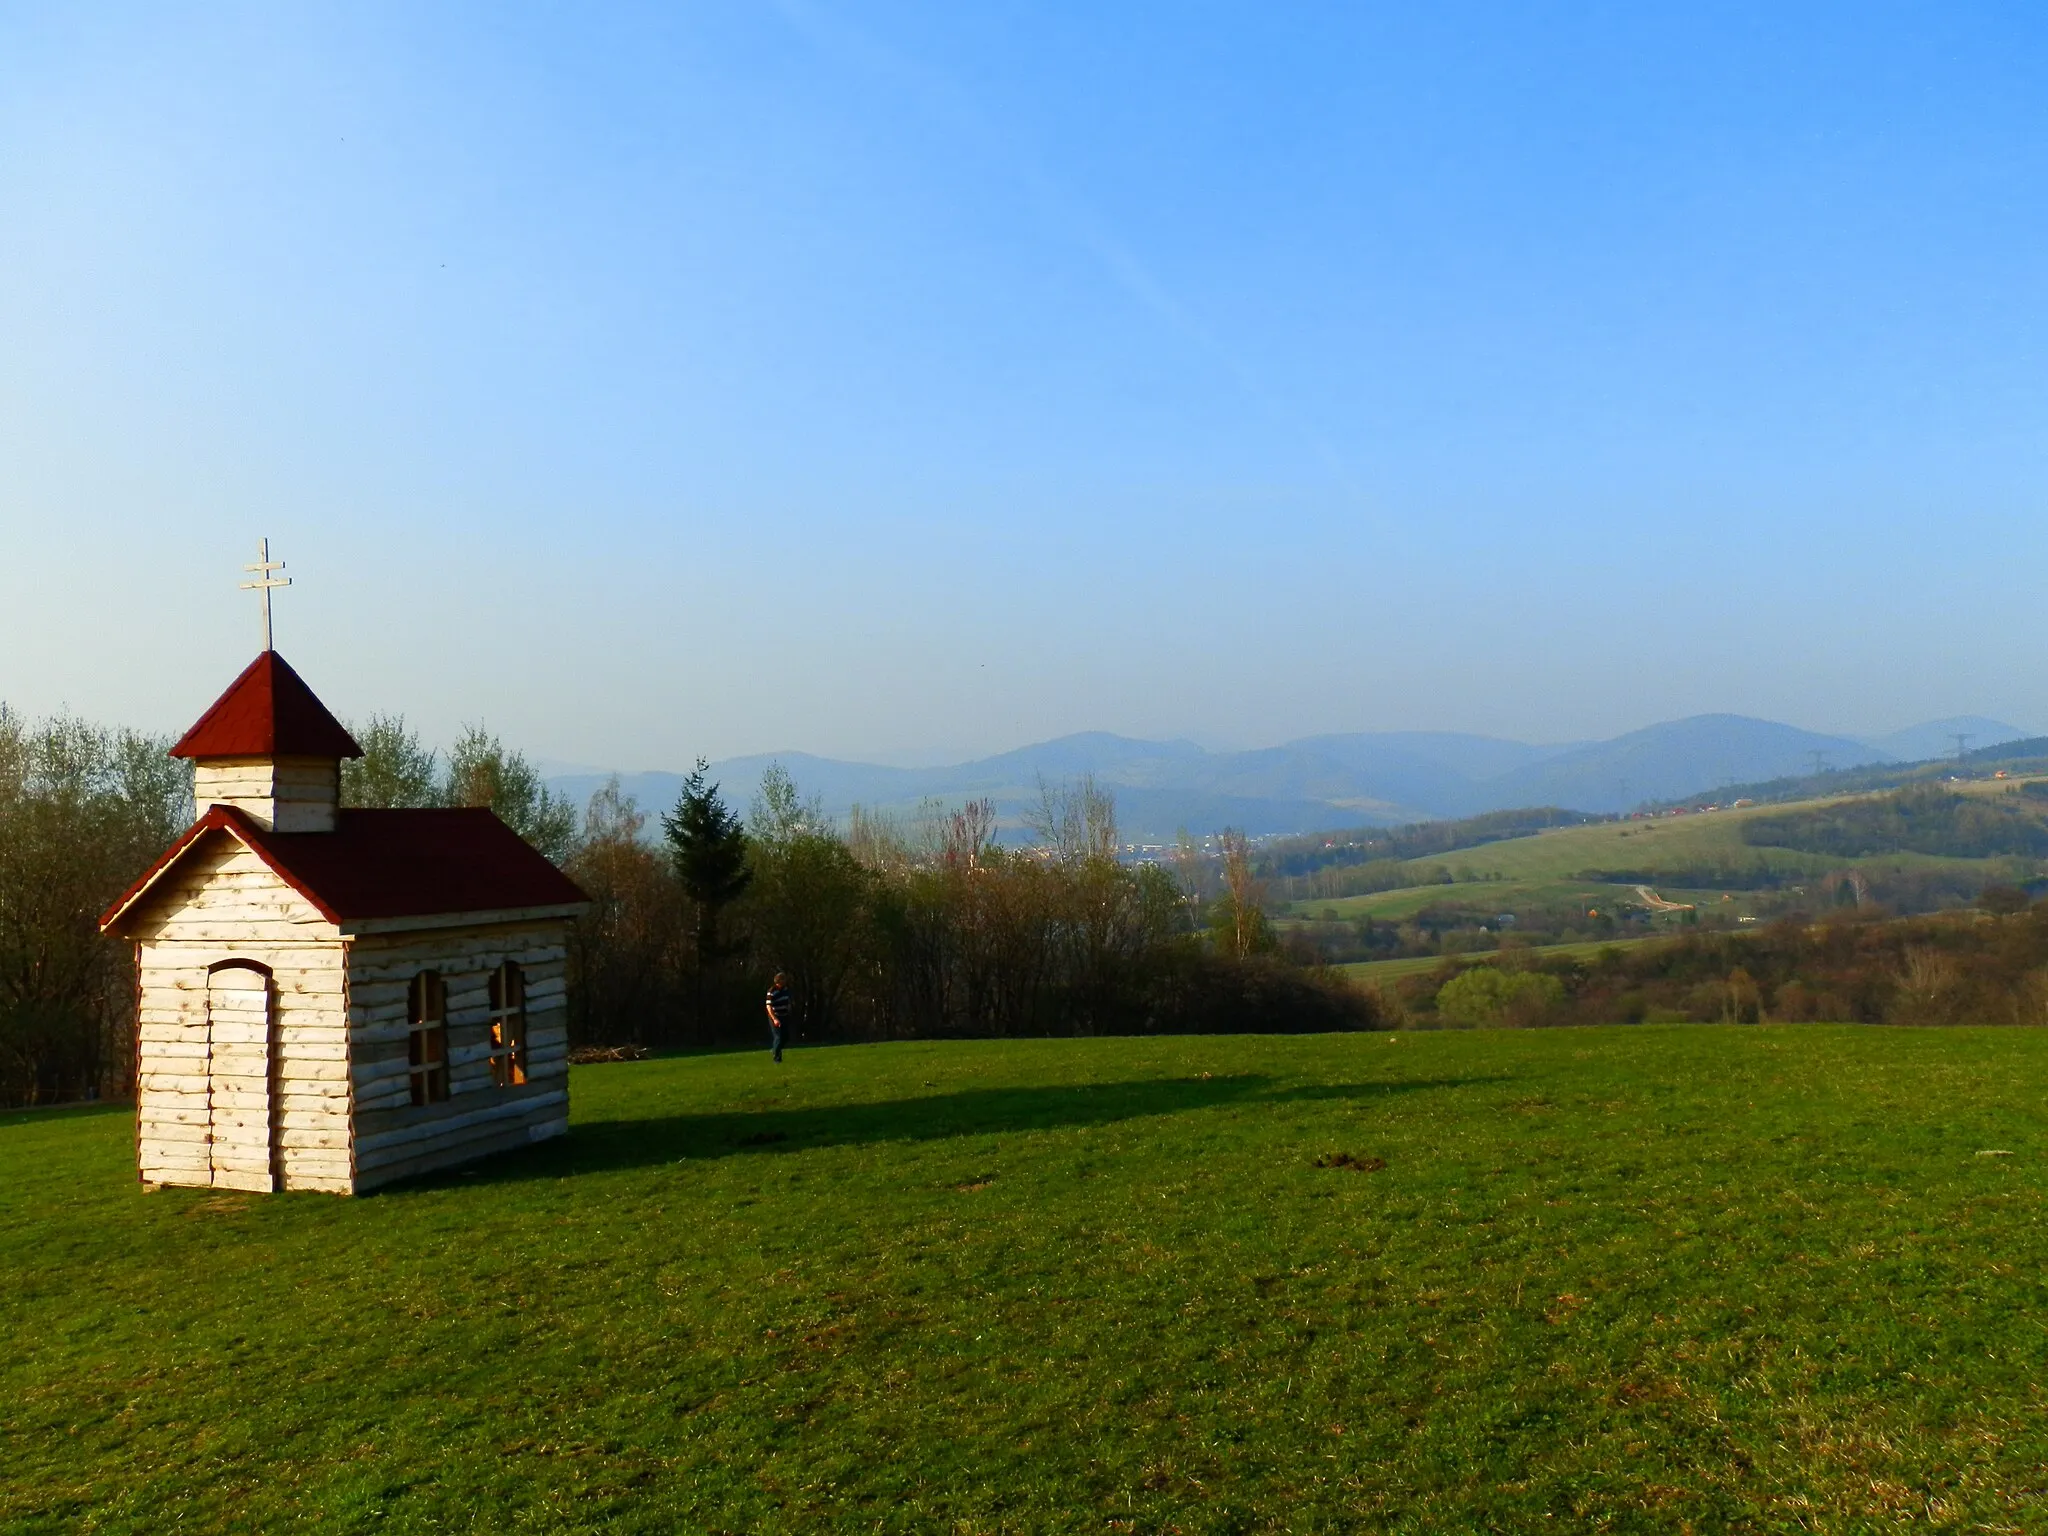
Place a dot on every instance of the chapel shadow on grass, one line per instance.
(596, 1146)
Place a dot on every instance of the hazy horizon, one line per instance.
(904, 383)
(564, 767)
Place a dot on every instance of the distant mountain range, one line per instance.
(1937, 738)
(1319, 782)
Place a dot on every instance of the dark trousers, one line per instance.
(775, 1034)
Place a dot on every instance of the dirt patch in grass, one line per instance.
(1352, 1161)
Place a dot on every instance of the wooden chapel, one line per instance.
(332, 998)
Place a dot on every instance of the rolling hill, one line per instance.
(1729, 866)
(1937, 738)
(1318, 782)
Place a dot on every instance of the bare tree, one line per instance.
(1191, 872)
(877, 839)
(630, 952)
(1075, 821)
(1246, 892)
(1929, 981)
(970, 834)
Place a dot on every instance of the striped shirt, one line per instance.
(779, 1006)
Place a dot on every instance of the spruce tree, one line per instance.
(708, 846)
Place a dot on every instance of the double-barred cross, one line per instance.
(265, 582)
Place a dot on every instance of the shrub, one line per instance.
(1486, 995)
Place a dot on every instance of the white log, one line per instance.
(312, 1136)
(196, 956)
(167, 1051)
(379, 994)
(323, 1041)
(187, 1158)
(149, 1115)
(175, 1030)
(455, 1155)
(300, 1093)
(161, 1134)
(154, 1081)
(236, 934)
(320, 1184)
(452, 956)
(323, 1162)
(498, 1109)
(252, 1181)
(311, 1117)
(169, 1171)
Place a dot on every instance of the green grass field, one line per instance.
(1653, 1279)
(1410, 965)
(1403, 903)
(1670, 842)
(1544, 869)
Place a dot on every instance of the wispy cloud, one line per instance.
(958, 112)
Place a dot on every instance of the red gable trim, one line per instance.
(389, 865)
(222, 818)
(267, 712)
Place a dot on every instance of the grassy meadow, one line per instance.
(1650, 1279)
(1546, 869)
(1376, 971)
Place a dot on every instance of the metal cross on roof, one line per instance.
(264, 582)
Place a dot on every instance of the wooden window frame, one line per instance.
(426, 1039)
(507, 1030)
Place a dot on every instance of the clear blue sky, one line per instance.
(911, 381)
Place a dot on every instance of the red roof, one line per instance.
(267, 712)
(388, 864)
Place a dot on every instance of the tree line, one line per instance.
(888, 927)
(921, 926)
(1299, 859)
(1986, 965)
(1922, 818)
(85, 809)
(83, 812)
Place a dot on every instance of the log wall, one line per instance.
(225, 904)
(288, 794)
(395, 1138)
(335, 1112)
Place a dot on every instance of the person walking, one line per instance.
(781, 1012)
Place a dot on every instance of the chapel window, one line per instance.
(427, 1037)
(508, 1025)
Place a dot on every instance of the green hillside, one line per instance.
(1631, 1279)
(1390, 970)
(1707, 860)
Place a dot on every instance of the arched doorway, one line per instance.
(241, 1077)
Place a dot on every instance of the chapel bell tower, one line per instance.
(270, 749)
